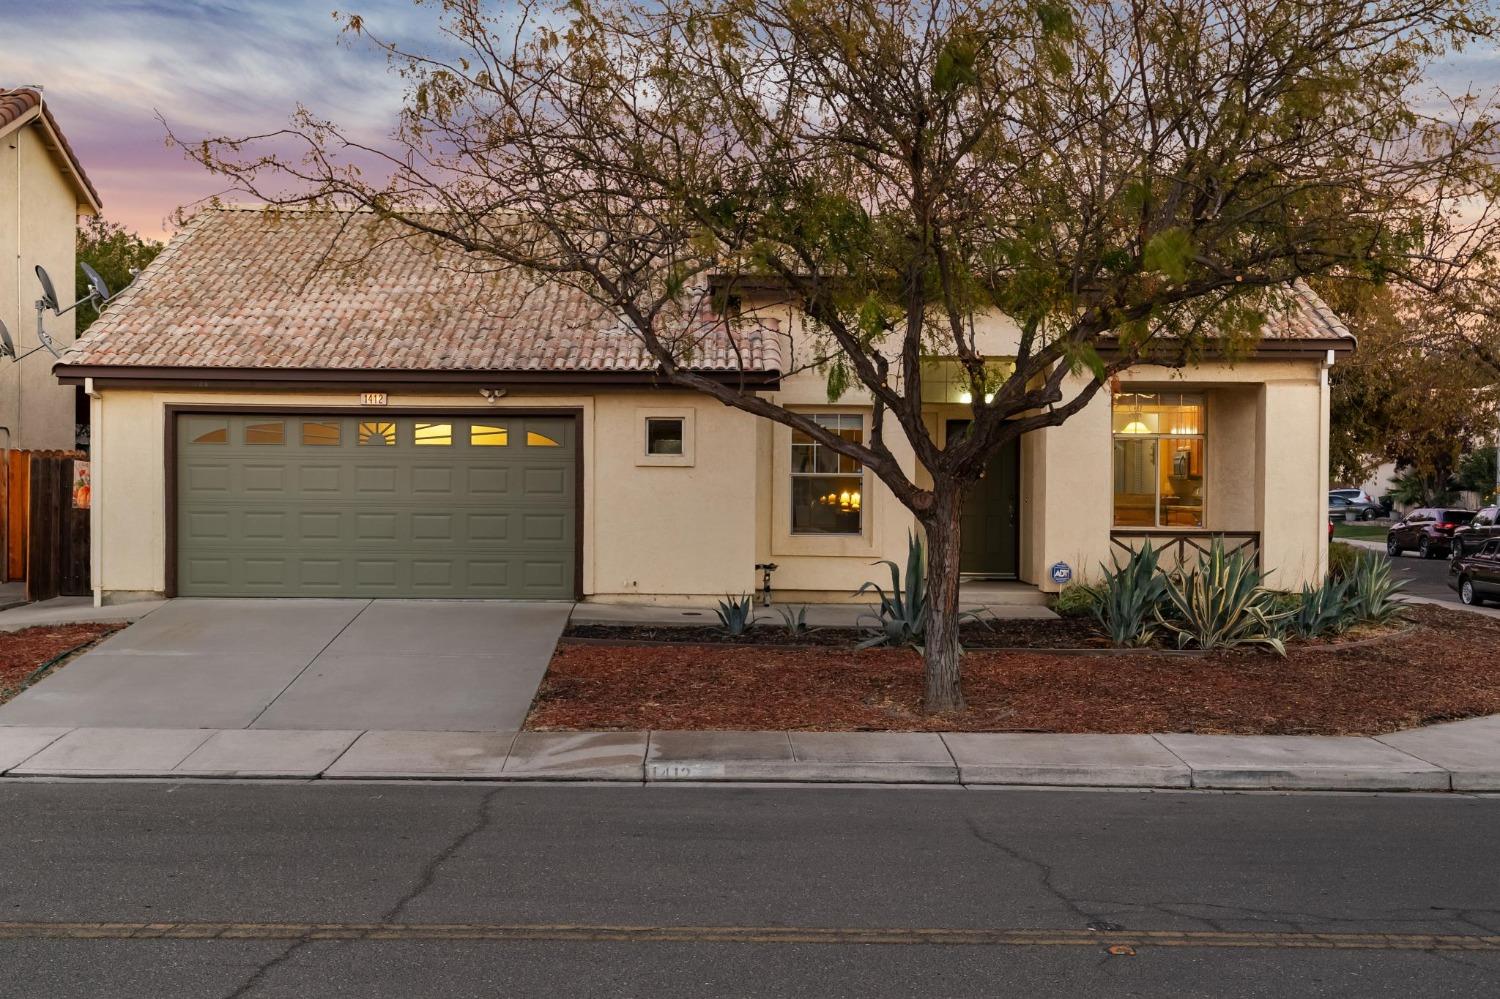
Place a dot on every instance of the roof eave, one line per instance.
(89, 202)
(381, 379)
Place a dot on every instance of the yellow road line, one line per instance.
(744, 934)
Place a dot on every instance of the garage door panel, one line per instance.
(311, 510)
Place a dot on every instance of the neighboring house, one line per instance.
(43, 190)
(272, 418)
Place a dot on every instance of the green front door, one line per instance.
(990, 523)
(372, 506)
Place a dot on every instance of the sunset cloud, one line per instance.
(110, 68)
(211, 67)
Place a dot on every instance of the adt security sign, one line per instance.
(1062, 573)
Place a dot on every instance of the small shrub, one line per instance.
(1373, 589)
(794, 620)
(735, 615)
(1321, 610)
(1342, 559)
(1128, 598)
(1076, 600)
(900, 618)
(1221, 603)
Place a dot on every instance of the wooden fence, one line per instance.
(46, 496)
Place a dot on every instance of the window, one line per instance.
(320, 433)
(377, 434)
(827, 487)
(210, 432)
(1158, 461)
(433, 434)
(482, 435)
(664, 435)
(534, 439)
(271, 432)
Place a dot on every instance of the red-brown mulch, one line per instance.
(1446, 667)
(23, 652)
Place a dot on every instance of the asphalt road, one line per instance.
(678, 891)
(1425, 577)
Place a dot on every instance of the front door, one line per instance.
(990, 522)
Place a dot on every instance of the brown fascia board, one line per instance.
(1291, 349)
(147, 376)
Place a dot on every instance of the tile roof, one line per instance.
(1305, 317)
(25, 104)
(321, 290)
(251, 288)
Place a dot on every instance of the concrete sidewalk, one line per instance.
(1458, 756)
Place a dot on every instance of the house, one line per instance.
(298, 404)
(43, 190)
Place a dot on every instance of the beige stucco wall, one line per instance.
(38, 219)
(648, 531)
(692, 533)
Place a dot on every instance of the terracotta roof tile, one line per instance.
(314, 290)
(1306, 317)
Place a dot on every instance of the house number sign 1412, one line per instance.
(373, 398)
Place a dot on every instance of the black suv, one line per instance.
(1473, 535)
(1476, 577)
(1429, 530)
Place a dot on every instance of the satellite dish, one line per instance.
(7, 345)
(101, 290)
(49, 293)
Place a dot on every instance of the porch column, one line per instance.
(1067, 494)
(1292, 477)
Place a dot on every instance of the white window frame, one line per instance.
(1157, 438)
(793, 475)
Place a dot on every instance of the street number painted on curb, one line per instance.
(1062, 573)
(684, 771)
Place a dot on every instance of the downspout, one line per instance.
(96, 495)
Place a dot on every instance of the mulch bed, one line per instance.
(1051, 633)
(23, 652)
(1445, 667)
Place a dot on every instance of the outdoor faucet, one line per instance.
(766, 568)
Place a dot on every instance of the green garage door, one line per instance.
(345, 506)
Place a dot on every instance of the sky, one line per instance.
(209, 67)
(238, 67)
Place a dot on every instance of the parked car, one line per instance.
(1476, 576)
(1427, 530)
(1473, 535)
(1362, 506)
(1340, 509)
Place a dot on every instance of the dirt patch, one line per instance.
(23, 652)
(1025, 633)
(1444, 667)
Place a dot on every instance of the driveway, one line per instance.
(428, 665)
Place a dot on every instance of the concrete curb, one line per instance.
(1458, 756)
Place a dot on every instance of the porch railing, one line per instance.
(1180, 548)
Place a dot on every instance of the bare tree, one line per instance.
(1123, 179)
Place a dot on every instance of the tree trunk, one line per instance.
(944, 687)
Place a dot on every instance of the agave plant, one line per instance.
(900, 618)
(1222, 603)
(1373, 589)
(1126, 601)
(793, 620)
(735, 615)
(1322, 610)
